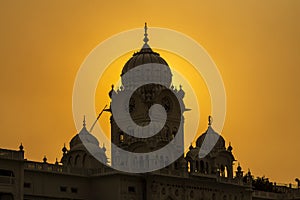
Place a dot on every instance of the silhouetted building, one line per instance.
(79, 175)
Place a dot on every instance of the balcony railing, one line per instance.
(7, 180)
(47, 167)
(11, 154)
(43, 166)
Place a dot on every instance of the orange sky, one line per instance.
(255, 45)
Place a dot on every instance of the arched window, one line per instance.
(121, 139)
(167, 162)
(141, 162)
(213, 196)
(202, 166)
(135, 162)
(174, 132)
(147, 162)
(84, 160)
(226, 171)
(155, 160)
(161, 160)
(197, 166)
(77, 161)
(192, 194)
(202, 196)
(176, 165)
(207, 168)
(166, 132)
(70, 161)
(222, 170)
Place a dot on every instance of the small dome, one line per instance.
(83, 136)
(192, 153)
(229, 147)
(239, 168)
(220, 143)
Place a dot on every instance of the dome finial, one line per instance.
(64, 149)
(210, 120)
(146, 40)
(45, 159)
(239, 168)
(111, 91)
(21, 148)
(229, 147)
(84, 124)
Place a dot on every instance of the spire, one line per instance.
(84, 121)
(239, 168)
(104, 149)
(21, 148)
(249, 172)
(111, 91)
(146, 39)
(181, 93)
(64, 149)
(229, 147)
(45, 159)
(210, 120)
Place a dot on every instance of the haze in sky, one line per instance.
(255, 45)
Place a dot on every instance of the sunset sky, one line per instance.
(255, 44)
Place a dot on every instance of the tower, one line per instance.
(150, 66)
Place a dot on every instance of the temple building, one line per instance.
(79, 175)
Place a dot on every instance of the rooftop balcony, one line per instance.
(11, 154)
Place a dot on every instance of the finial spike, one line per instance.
(146, 40)
(84, 124)
(21, 147)
(45, 159)
(64, 149)
(210, 120)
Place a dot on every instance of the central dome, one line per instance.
(144, 56)
(158, 70)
